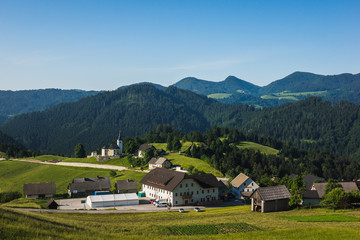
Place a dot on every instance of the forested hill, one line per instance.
(17, 102)
(230, 85)
(313, 123)
(134, 110)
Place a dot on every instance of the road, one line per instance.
(76, 164)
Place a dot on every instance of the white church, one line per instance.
(113, 150)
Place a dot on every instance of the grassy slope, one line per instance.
(185, 162)
(16, 224)
(219, 95)
(293, 95)
(118, 161)
(258, 147)
(14, 174)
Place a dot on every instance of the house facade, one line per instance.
(242, 183)
(179, 188)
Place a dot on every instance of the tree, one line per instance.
(80, 151)
(149, 153)
(112, 173)
(333, 198)
(332, 184)
(297, 186)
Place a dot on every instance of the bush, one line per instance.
(9, 196)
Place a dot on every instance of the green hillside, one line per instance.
(14, 174)
(222, 223)
(258, 147)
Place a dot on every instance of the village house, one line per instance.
(159, 162)
(179, 188)
(39, 190)
(126, 186)
(308, 179)
(241, 185)
(143, 148)
(82, 187)
(270, 199)
(347, 186)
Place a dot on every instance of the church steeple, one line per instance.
(120, 143)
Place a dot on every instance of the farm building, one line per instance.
(270, 199)
(179, 188)
(308, 179)
(112, 200)
(39, 190)
(159, 162)
(242, 184)
(143, 148)
(310, 197)
(347, 186)
(126, 186)
(52, 204)
(82, 187)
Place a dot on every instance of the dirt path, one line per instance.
(75, 164)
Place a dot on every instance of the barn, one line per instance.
(112, 200)
(270, 199)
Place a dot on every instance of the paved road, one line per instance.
(76, 164)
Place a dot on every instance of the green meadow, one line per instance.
(292, 95)
(258, 147)
(219, 95)
(222, 223)
(13, 174)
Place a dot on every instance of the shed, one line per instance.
(270, 199)
(126, 186)
(112, 200)
(52, 204)
(310, 197)
(39, 190)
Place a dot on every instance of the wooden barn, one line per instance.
(270, 199)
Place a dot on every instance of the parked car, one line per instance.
(161, 204)
(181, 210)
(197, 209)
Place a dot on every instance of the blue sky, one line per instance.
(102, 45)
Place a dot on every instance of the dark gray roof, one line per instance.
(153, 160)
(168, 179)
(310, 194)
(126, 184)
(163, 178)
(111, 146)
(39, 188)
(205, 180)
(145, 146)
(90, 184)
(309, 179)
(273, 193)
(347, 186)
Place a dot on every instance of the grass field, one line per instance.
(258, 147)
(223, 223)
(117, 162)
(184, 147)
(323, 218)
(185, 162)
(13, 174)
(292, 95)
(219, 95)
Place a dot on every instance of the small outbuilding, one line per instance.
(39, 190)
(270, 199)
(126, 186)
(112, 200)
(159, 162)
(52, 204)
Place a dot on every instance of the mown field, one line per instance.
(13, 174)
(223, 223)
(258, 147)
(295, 96)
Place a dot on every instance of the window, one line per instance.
(197, 192)
(203, 191)
(192, 184)
(247, 190)
(192, 193)
(180, 185)
(208, 191)
(186, 185)
(213, 190)
(180, 194)
(176, 202)
(175, 194)
(252, 184)
(244, 184)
